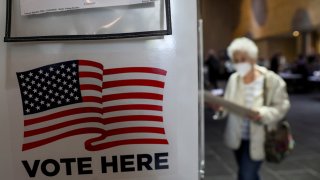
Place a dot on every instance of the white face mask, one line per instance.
(243, 68)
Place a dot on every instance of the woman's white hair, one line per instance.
(243, 44)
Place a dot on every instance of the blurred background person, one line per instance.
(275, 63)
(278, 63)
(212, 64)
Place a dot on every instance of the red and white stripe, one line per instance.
(133, 98)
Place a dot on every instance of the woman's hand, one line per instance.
(255, 116)
(214, 107)
(217, 108)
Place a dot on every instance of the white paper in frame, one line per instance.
(31, 7)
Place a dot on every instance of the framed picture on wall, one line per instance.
(86, 19)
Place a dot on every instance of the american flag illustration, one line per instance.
(120, 106)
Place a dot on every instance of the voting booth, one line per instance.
(98, 90)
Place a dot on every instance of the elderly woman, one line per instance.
(257, 88)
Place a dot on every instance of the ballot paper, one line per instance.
(29, 7)
(228, 105)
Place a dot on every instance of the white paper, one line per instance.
(29, 7)
(230, 106)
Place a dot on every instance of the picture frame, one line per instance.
(12, 28)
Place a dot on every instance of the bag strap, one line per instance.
(265, 98)
(265, 91)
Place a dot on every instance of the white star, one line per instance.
(66, 91)
(40, 71)
(74, 73)
(60, 88)
(30, 95)
(38, 107)
(30, 74)
(62, 66)
(23, 84)
(74, 81)
(27, 79)
(59, 102)
(48, 105)
(67, 100)
(71, 94)
(68, 69)
(56, 94)
(25, 92)
(58, 80)
(31, 104)
(33, 82)
(57, 72)
(74, 65)
(26, 102)
(21, 76)
(50, 91)
(46, 74)
(42, 79)
(42, 102)
(75, 89)
(47, 97)
(62, 96)
(28, 110)
(48, 82)
(39, 85)
(63, 75)
(44, 88)
(29, 87)
(52, 100)
(36, 77)
(53, 77)
(51, 69)
(36, 99)
(40, 93)
(54, 85)
(35, 90)
(68, 77)
(76, 98)
(64, 82)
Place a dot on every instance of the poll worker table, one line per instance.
(314, 82)
(292, 80)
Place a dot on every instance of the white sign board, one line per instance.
(33, 148)
(29, 7)
(109, 121)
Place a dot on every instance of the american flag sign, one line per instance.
(119, 106)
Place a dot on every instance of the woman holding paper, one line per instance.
(247, 87)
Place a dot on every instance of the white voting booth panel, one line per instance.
(176, 54)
